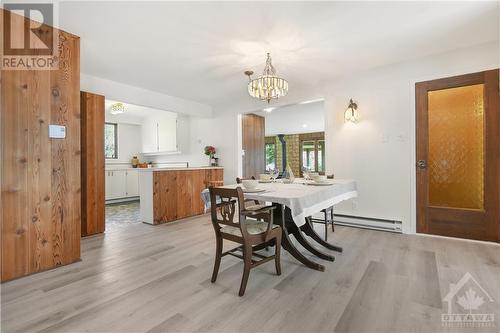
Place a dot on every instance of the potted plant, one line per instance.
(210, 152)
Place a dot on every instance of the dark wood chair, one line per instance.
(246, 231)
(215, 183)
(248, 201)
(327, 219)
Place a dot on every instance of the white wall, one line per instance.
(129, 137)
(379, 151)
(129, 143)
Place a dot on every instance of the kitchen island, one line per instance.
(170, 194)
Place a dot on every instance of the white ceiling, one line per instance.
(199, 50)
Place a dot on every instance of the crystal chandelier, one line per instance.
(268, 85)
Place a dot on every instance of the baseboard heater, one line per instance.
(368, 223)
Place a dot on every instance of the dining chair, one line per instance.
(327, 219)
(247, 201)
(246, 231)
(215, 183)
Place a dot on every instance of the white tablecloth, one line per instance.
(304, 200)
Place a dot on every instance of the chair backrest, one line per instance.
(226, 205)
(214, 183)
(238, 179)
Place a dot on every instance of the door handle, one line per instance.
(422, 164)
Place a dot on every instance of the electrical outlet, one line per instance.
(355, 205)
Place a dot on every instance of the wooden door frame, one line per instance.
(490, 79)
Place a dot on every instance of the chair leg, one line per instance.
(218, 256)
(277, 255)
(247, 254)
(326, 226)
(331, 216)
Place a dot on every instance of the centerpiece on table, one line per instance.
(210, 152)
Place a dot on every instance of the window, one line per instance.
(308, 155)
(111, 140)
(270, 156)
(312, 152)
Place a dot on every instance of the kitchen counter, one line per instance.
(170, 194)
(111, 168)
(179, 169)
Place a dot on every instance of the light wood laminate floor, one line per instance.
(157, 279)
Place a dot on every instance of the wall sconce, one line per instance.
(351, 113)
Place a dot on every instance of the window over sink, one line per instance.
(110, 141)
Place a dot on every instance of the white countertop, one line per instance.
(179, 169)
(111, 168)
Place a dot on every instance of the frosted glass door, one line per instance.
(456, 147)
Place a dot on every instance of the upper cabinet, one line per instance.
(159, 134)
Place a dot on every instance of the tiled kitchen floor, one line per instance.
(121, 215)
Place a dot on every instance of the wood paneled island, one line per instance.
(171, 194)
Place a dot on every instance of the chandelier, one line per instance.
(267, 86)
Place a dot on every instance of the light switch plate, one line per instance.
(57, 132)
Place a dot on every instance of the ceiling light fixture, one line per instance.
(267, 86)
(117, 108)
(269, 109)
(351, 113)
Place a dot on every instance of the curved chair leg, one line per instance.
(218, 256)
(277, 255)
(247, 254)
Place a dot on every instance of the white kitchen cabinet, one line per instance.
(115, 184)
(121, 184)
(149, 134)
(167, 135)
(132, 183)
(159, 134)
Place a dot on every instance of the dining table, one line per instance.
(297, 201)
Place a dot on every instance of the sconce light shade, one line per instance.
(351, 113)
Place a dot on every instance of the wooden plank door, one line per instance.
(93, 184)
(458, 156)
(253, 144)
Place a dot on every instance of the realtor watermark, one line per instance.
(469, 305)
(29, 40)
